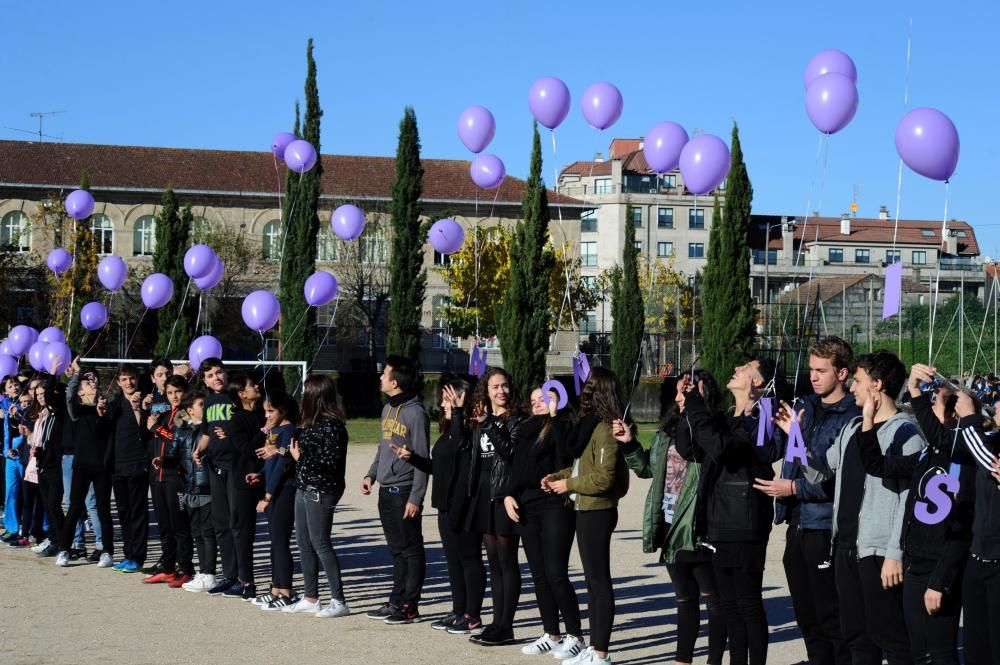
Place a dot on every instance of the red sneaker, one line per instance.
(158, 578)
(179, 580)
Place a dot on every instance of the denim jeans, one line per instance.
(313, 521)
(91, 503)
(13, 477)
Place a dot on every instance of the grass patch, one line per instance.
(368, 430)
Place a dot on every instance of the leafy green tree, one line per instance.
(627, 313)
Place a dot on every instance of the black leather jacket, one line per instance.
(196, 476)
(504, 435)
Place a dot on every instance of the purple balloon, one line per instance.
(704, 163)
(34, 335)
(112, 272)
(6, 349)
(831, 102)
(37, 355)
(549, 101)
(79, 204)
(320, 288)
(825, 62)
(476, 128)
(348, 222)
(52, 335)
(602, 105)
(300, 156)
(93, 316)
(57, 358)
(199, 260)
(487, 171)
(927, 141)
(20, 340)
(261, 311)
(211, 280)
(662, 146)
(446, 236)
(59, 260)
(157, 289)
(8, 366)
(280, 142)
(202, 348)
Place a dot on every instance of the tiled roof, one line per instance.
(621, 147)
(865, 231)
(58, 165)
(632, 162)
(833, 287)
(588, 168)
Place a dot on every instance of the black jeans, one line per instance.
(281, 523)
(463, 554)
(220, 522)
(739, 576)
(548, 538)
(32, 511)
(175, 527)
(50, 488)
(203, 535)
(692, 583)
(981, 602)
(313, 521)
(505, 578)
(243, 524)
(871, 618)
(405, 539)
(131, 486)
(813, 589)
(82, 480)
(593, 538)
(933, 638)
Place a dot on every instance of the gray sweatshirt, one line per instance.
(407, 425)
(880, 523)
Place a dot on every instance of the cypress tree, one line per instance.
(727, 307)
(407, 276)
(627, 312)
(523, 316)
(174, 320)
(300, 217)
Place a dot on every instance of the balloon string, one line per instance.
(283, 224)
(135, 332)
(295, 328)
(937, 274)
(329, 327)
(197, 319)
(567, 297)
(906, 103)
(180, 310)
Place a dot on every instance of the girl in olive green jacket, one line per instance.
(595, 483)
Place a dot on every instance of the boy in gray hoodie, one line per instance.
(868, 515)
(401, 489)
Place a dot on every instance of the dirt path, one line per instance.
(83, 614)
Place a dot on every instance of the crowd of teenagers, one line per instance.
(889, 487)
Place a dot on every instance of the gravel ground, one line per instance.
(82, 614)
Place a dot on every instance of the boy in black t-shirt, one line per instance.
(218, 454)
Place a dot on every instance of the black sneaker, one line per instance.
(467, 626)
(222, 586)
(95, 556)
(235, 591)
(493, 638)
(77, 553)
(404, 614)
(249, 592)
(382, 613)
(156, 569)
(445, 622)
(278, 603)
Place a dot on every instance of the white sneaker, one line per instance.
(200, 582)
(569, 647)
(106, 561)
(581, 658)
(40, 546)
(337, 608)
(62, 559)
(543, 644)
(303, 607)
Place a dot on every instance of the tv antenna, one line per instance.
(41, 115)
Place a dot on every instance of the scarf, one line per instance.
(579, 437)
(396, 400)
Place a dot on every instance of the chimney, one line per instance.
(845, 224)
(788, 240)
(642, 142)
(883, 213)
(598, 157)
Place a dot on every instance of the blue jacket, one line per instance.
(819, 432)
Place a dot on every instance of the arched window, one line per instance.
(372, 245)
(144, 236)
(326, 245)
(271, 240)
(200, 229)
(104, 233)
(14, 234)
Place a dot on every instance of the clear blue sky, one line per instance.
(223, 74)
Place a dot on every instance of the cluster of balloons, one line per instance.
(831, 90)
(703, 160)
(476, 129)
(46, 351)
(298, 154)
(549, 101)
(203, 266)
